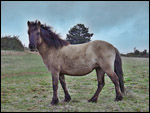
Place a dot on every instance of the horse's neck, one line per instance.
(45, 51)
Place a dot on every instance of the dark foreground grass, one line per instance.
(26, 86)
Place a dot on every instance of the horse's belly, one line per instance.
(78, 70)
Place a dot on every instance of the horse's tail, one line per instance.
(118, 70)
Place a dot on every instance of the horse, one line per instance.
(61, 58)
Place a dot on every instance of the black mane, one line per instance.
(51, 38)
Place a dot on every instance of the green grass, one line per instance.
(26, 86)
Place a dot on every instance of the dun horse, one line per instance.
(62, 58)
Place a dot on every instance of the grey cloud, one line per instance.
(97, 15)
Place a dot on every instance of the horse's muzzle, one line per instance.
(32, 47)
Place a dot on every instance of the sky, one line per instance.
(125, 24)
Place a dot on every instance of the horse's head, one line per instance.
(34, 34)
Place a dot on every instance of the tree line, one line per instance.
(137, 53)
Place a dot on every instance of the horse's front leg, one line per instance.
(63, 84)
(55, 78)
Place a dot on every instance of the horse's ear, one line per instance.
(28, 23)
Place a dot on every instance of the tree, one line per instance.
(11, 43)
(79, 34)
(136, 52)
(145, 52)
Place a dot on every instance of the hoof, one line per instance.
(67, 98)
(93, 100)
(119, 98)
(54, 102)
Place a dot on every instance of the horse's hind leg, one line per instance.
(63, 84)
(112, 75)
(100, 78)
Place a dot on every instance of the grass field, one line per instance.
(26, 86)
